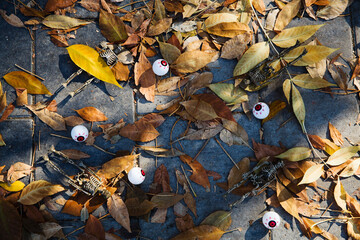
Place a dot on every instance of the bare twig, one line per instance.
(227, 154)
(188, 181)
(29, 72)
(202, 148)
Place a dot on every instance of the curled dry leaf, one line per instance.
(312, 174)
(12, 19)
(202, 232)
(19, 79)
(36, 191)
(191, 8)
(17, 171)
(118, 211)
(8, 110)
(161, 152)
(229, 29)
(335, 135)
(115, 166)
(263, 150)
(52, 119)
(63, 22)
(287, 14)
(22, 98)
(340, 195)
(215, 19)
(199, 175)
(91, 114)
(342, 155)
(351, 169)
(317, 142)
(121, 71)
(333, 9)
(295, 154)
(191, 61)
(219, 219)
(352, 227)
(287, 201)
(72, 121)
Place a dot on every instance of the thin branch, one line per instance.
(188, 181)
(227, 154)
(29, 72)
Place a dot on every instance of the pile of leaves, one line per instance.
(189, 35)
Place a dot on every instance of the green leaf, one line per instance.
(295, 154)
(19, 79)
(88, 59)
(63, 22)
(342, 155)
(229, 93)
(112, 27)
(290, 36)
(253, 56)
(298, 106)
(312, 174)
(314, 54)
(306, 81)
(219, 219)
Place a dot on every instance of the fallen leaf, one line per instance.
(199, 175)
(330, 147)
(308, 209)
(235, 47)
(203, 133)
(137, 208)
(287, 201)
(312, 174)
(2, 142)
(352, 227)
(333, 9)
(94, 227)
(229, 29)
(173, 6)
(63, 22)
(89, 60)
(273, 201)
(18, 170)
(236, 129)
(14, 187)
(202, 232)
(191, 8)
(159, 27)
(118, 211)
(317, 141)
(340, 195)
(335, 135)
(10, 223)
(275, 107)
(263, 150)
(236, 173)
(75, 154)
(219, 219)
(287, 85)
(19, 79)
(339, 76)
(295, 154)
(161, 152)
(72, 121)
(351, 169)
(298, 106)
(121, 71)
(153, 118)
(12, 19)
(184, 223)
(161, 180)
(191, 61)
(91, 114)
(259, 5)
(166, 200)
(215, 19)
(306, 81)
(342, 155)
(200, 110)
(37, 190)
(52, 119)
(117, 165)
(159, 216)
(145, 77)
(313, 55)
(169, 52)
(139, 131)
(229, 93)
(253, 56)
(112, 27)
(287, 14)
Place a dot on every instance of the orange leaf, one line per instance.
(335, 135)
(199, 175)
(91, 114)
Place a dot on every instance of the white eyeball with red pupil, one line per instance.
(136, 175)
(261, 110)
(79, 133)
(271, 220)
(160, 67)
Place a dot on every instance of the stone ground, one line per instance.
(42, 57)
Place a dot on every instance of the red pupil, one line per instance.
(272, 223)
(142, 172)
(80, 138)
(258, 107)
(164, 63)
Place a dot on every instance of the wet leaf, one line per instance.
(169, 52)
(137, 208)
(10, 222)
(112, 27)
(342, 155)
(314, 54)
(12, 19)
(253, 56)
(94, 227)
(287, 14)
(306, 81)
(229, 29)
(295, 154)
(200, 110)
(75, 154)
(202, 232)
(333, 9)
(159, 27)
(192, 61)
(14, 187)
(229, 93)
(351, 168)
(115, 166)
(298, 107)
(52, 119)
(63, 22)
(166, 200)
(312, 174)
(290, 36)
(19, 79)
(219, 219)
(72, 121)
(340, 195)
(89, 60)
(199, 175)
(36, 191)
(184, 223)
(91, 114)
(18, 170)
(335, 135)
(235, 47)
(287, 201)
(118, 211)
(275, 107)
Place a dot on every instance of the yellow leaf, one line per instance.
(62, 22)
(19, 79)
(89, 60)
(290, 36)
(315, 53)
(330, 147)
(312, 174)
(298, 106)
(14, 187)
(115, 166)
(253, 56)
(306, 81)
(295, 154)
(215, 19)
(287, 14)
(275, 107)
(202, 232)
(229, 93)
(351, 169)
(287, 89)
(192, 61)
(36, 191)
(228, 29)
(342, 155)
(340, 195)
(287, 201)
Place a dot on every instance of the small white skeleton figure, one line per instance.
(260, 176)
(86, 181)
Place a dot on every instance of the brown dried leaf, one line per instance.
(137, 208)
(159, 27)
(12, 19)
(21, 94)
(75, 154)
(263, 150)
(10, 223)
(91, 114)
(139, 131)
(36, 191)
(159, 216)
(235, 174)
(339, 76)
(219, 219)
(121, 71)
(273, 201)
(53, 5)
(229, 29)
(72, 121)
(203, 133)
(94, 227)
(192, 61)
(335, 135)
(200, 110)
(190, 202)
(2, 100)
(169, 52)
(199, 175)
(275, 107)
(118, 211)
(173, 6)
(8, 110)
(162, 179)
(235, 47)
(17, 171)
(287, 201)
(112, 27)
(308, 209)
(202, 232)
(52, 119)
(287, 14)
(166, 200)
(340, 195)
(2, 143)
(333, 9)
(184, 223)
(115, 166)
(144, 76)
(317, 141)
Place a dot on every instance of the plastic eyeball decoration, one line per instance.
(271, 220)
(160, 67)
(261, 110)
(136, 175)
(79, 133)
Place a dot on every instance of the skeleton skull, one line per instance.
(261, 110)
(160, 67)
(271, 220)
(136, 175)
(79, 133)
